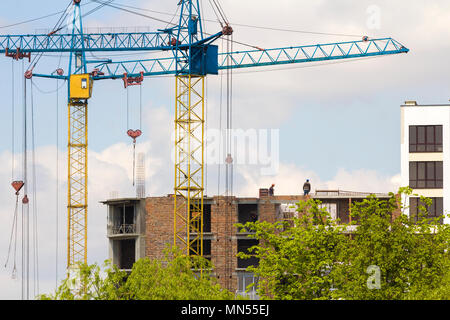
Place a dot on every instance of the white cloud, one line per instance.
(290, 178)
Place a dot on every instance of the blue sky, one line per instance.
(339, 124)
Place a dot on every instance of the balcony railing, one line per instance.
(124, 229)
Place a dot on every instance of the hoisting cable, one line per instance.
(221, 12)
(140, 106)
(206, 130)
(229, 158)
(50, 91)
(134, 134)
(216, 14)
(133, 12)
(248, 25)
(13, 234)
(57, 185)
(25, 201)
(58, 27)
(173, 17)
(32, 20)
(55, 29)
(57, 175)
(173, 24)
(17, 185)
(34, 196)
(13, 106)
(220, 130)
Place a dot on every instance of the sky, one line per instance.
(335, 124)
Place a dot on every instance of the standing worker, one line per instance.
(271, 190)
(306, 187)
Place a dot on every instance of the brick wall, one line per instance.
(224, 245)
(159, 225)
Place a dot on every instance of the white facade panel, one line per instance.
(427, 115)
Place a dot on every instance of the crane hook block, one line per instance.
(16, 55)
(17, 185)
(134, 134)
(133, 81)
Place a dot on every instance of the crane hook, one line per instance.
(134, 134)
(17, 185)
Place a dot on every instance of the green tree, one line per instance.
(90, 282)
(392, 258)
(171, 278)
(297, 261)
(377, 256)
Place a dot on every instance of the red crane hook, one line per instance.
(17, 185)
(134, 134)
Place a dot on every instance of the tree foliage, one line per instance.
(377, 256)
(297, 262)
(171, 278)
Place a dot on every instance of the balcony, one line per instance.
(122, 229)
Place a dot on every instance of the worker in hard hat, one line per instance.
(306, 187)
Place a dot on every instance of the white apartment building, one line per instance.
(425, 156)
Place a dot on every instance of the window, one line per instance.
(123, 219)
(331, 208)
(425, 138)
(195, 223)
(435, 210)
(245, 279)
(196, 248)
(426, 175)
(247, 213)
(243, 246)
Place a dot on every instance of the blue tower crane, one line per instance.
(192, 56)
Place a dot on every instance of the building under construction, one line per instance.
(142, 227)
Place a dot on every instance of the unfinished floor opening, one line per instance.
(125, 253)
